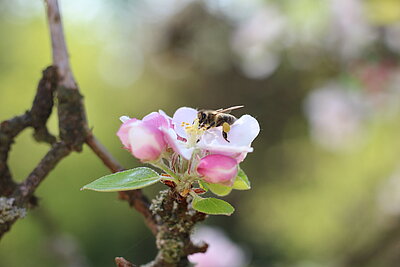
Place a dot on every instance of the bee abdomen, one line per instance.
(230, 119)
(225, 118)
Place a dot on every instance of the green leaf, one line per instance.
(212, 206)
(125, 180)
(219, 190)
(241, 181)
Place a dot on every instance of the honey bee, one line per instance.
(215, 118)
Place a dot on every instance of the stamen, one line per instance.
(194, 133)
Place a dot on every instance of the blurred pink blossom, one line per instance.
(335, 116)
(221, 252)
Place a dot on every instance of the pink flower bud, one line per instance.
(218, 169)
(123, 132)
(142, 138)
(146, 141)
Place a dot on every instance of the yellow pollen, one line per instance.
(194, 132)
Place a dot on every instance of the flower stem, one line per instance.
(159, 164)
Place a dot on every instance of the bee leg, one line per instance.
(225, 136)
(225, 129)
(211, 125)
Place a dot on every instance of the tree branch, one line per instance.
(121, 262)
(9, 129)
(60, 52)
(176, 220)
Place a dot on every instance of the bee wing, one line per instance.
(227, 110)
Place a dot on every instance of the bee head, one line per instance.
(201, 116)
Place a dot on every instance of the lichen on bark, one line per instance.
(9, 212)
(176, 220)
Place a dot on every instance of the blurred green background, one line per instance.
(321, 77)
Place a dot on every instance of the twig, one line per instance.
(71, 112)
(60, 52)
(36, 118)
(9, 129)
(43, 105)
(121, 262)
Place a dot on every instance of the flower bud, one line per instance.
(123, 132)
(143, 140)
(218, 169)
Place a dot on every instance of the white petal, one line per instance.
(213, 141)
(162, 112)
(244, 131)
(225, 149)
(178, 146)
(124, 118)
(183, 115)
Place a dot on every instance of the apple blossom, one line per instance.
(186, 151)
(218, 169)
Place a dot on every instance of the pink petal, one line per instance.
(218, 168)
(123, 132)
(169, 119)
(156, 119)
(146, 141)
